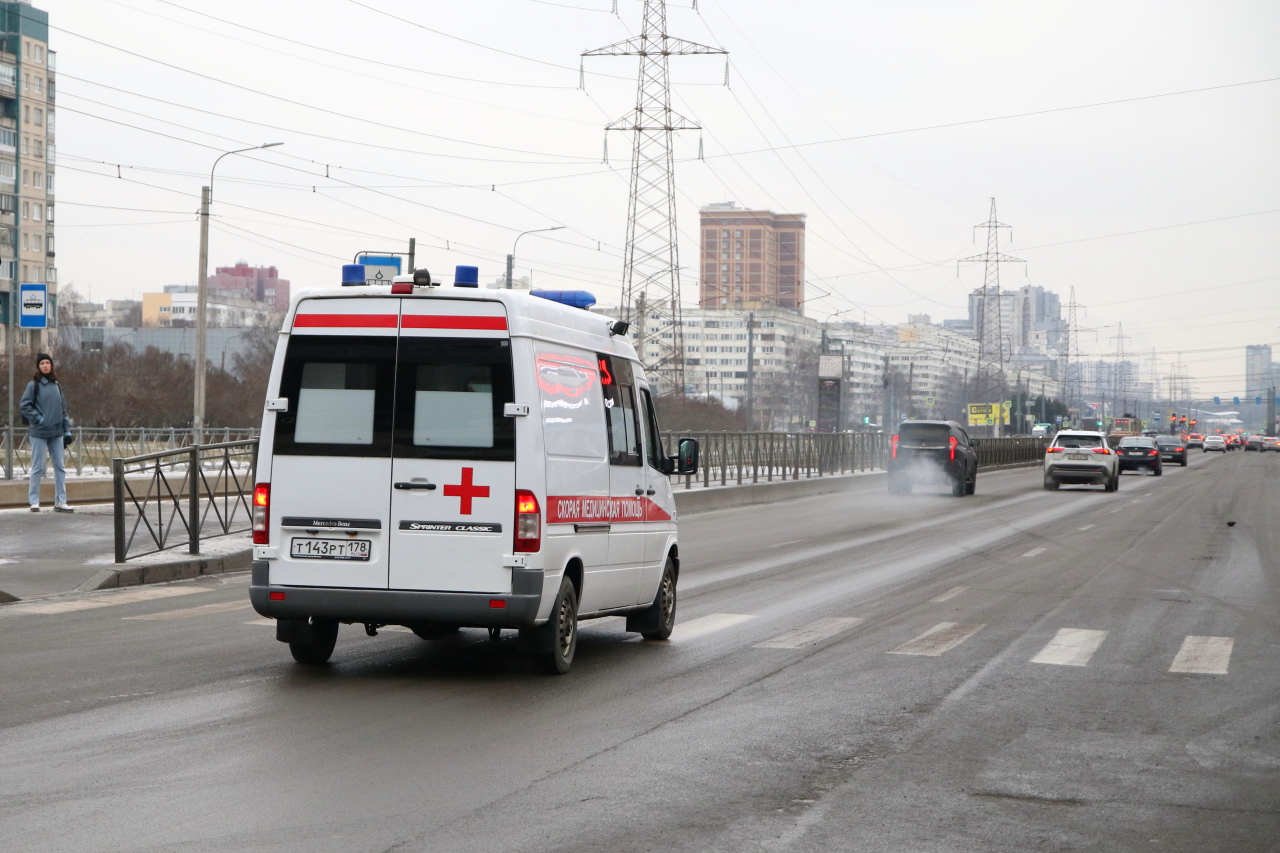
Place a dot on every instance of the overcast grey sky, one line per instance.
(465, 136)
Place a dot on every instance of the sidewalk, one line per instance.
(51, 552)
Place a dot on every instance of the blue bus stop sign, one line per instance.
(33, 306)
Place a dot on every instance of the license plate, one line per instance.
(314, 548)
(1077, 457)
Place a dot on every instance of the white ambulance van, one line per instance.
(448, 457)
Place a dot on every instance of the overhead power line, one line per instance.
(1007, 117)
(328, 112)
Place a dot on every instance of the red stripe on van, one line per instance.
(445, 321)
(345, 321)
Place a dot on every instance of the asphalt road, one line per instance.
(851, 672)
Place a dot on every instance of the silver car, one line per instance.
(1080, 457)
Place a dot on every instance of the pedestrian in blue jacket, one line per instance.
(45, 409)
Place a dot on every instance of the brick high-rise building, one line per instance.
(259, 284)
(751, 258)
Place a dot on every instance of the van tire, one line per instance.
(971, 487)
(319, 648)
(657, 620)
(554, 643)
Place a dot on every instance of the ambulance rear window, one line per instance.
(450, 394)
(339, 390)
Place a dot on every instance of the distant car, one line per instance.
(1195, 440)
(1270, 442)
(1214, 442)
(932, 452)
(1139, 453)
(1253, 442)
(1172, 449)
(1233, 442)
(1080, 457)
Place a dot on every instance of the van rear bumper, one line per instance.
(397, 606)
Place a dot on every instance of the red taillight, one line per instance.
(276, 596)
(497, 603)
(952, 441)
(528, 535)
(1153, 453)
(1104, 451)
(1055, 450)
(893, 447)
(261, 513)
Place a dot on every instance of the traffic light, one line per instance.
(1193, 422)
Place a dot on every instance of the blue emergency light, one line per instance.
(572, 298)
(352, 275)
(465, 276)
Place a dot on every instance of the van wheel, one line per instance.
(971, 487)
(553, 644)
(662, 612)
(434, 630)
(317, 650)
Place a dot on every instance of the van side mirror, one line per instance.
(686, 459)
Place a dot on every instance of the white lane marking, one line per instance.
(108, 600)
(706, 625)
(187, 613)
(1035, 552)
(948, 595)
(813, 633)
(269, 623)
(942, 637)
(1088, 527)
(784, 544)
(1208, 655)
(1071, 647)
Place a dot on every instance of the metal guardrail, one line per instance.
(188, 494)
(735, 458)
(1017, 450)
(96, 447)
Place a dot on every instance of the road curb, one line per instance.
(175, 570)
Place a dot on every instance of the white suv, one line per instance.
(1081, 457)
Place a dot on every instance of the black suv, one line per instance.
(1172, 449)
(932, 452)
(1136, 452)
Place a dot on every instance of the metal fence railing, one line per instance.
(95, 447)
(735, 458)
(182, 496)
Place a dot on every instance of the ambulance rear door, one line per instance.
(453, 457)
(331, 461)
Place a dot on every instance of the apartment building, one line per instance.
(27, 95)
(176, 307)
(751, 258)
(256, 284)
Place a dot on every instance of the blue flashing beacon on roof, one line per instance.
(466, 276)
(352, 275)
(572, 298)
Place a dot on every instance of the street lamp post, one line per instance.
(511, 258)
(206, 196)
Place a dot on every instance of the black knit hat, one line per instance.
(42, 356)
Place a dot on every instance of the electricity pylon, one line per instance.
(989, 384)
(651, 275)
